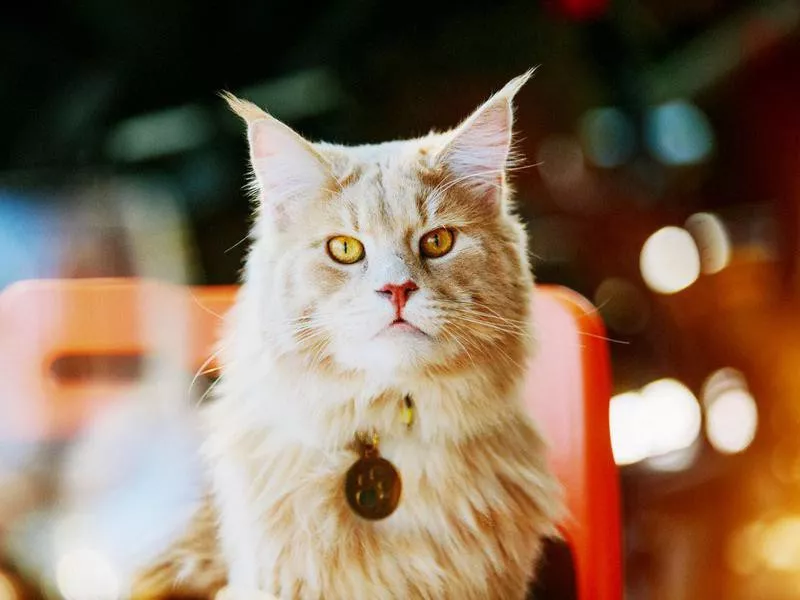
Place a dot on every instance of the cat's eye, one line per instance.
(436, 243)
(345, 249)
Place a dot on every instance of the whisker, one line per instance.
(493, 318)
(469, 305)
(510, 322)
(605, 338)
(495, 348)
(494, 326)
(445, 185)
(320, 354)
(457, 340)
(207, 392)
(448, 183)
(204, 307)
(201, 371)
(306, 337)
(241, 241)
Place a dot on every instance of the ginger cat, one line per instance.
(376, 274)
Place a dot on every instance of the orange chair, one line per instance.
(567, 389)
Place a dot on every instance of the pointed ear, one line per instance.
(286, 166)
(478, 151)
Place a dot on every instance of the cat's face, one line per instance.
(392, 258)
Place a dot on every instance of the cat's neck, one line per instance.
(318, 409)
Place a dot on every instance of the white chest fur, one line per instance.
(468, 525)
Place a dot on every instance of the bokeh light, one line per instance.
(780, 544)
(83, 574)
(731, 421)
(743, 547)
(629, 441)
(663, 418)
(608, 137)
(675, 461)
(560, 161)
(712, 239)
(669, 261)
(774, 545)
(674, 414)
(678, 133)
(720, 380)
(623, 305)
(731, 411)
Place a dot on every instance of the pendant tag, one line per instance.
(372, 485)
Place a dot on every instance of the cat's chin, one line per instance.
(398, 350)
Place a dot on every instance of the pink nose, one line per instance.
(398, 293)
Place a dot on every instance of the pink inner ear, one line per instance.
(285, 165)
(269, 138)
(478, 152)
(259, 141)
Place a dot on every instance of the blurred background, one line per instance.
(665, 139)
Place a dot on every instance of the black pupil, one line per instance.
(344, 246)
(436, 239)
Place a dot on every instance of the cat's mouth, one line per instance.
(402, 326)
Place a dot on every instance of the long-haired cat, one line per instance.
(380, 277)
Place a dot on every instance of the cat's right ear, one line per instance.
(478, 152)
(287, 168)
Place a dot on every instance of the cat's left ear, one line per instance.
(478, 151)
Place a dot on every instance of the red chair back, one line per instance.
(568, 390)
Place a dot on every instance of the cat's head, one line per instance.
(394, 258)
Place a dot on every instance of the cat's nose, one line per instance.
(398, 293)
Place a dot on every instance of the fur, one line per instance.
(308, 362)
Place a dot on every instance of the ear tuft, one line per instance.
(246, 110)
(515, 85)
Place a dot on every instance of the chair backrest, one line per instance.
(43, 322)
(567, 389)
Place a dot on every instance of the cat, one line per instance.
(386, 290)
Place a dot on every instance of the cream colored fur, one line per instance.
(308, 362)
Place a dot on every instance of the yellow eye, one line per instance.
(436, 243)
(345, 249)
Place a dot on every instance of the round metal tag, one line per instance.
(372, 486)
